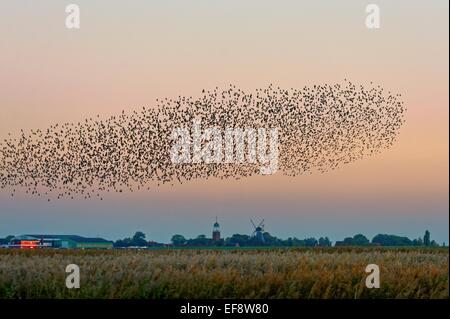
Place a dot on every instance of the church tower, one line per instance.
(216, 231)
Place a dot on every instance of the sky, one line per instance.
(127, 54)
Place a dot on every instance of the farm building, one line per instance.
(60, 241)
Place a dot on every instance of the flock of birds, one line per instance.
(320, 128)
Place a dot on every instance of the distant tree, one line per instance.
(324, 242)
(200, 240)
(126, 242)
(6, 240)
(391, 240)
(237, 239)
(426, 238)
(298, 242)
(288, 242)
(178, 240)
(139, 239)
(357, 240)
(270, 240)
(311, 242)
(360, 240)
(434, 244)
(348, 241)
(307, 242)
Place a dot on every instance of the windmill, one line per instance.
(258, 232)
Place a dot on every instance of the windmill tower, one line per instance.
(216, 231)
(258, 232)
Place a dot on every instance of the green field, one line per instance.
(244, 272)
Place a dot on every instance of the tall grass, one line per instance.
(268, 273)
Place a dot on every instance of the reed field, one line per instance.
(225, 273)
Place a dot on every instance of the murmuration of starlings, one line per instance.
(320, 128)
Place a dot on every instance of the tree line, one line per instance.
(139, 240)
(388, 240)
